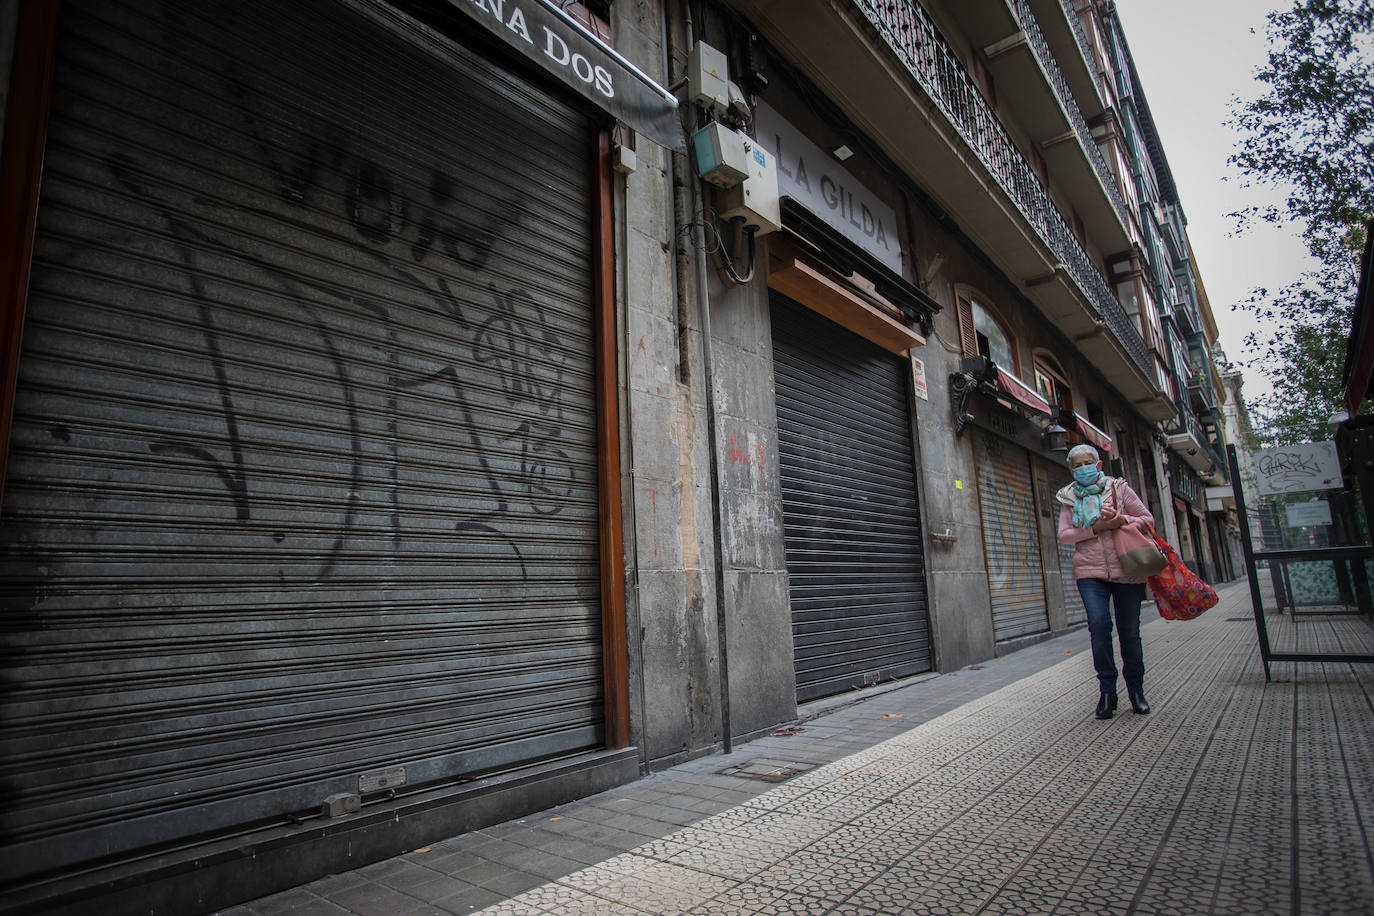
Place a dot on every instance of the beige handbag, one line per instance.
(1139, 555)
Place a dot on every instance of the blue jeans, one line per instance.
(1098, 597)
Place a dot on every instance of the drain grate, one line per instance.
(767, 770)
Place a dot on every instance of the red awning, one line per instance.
(1094, 435)
(1010, 384)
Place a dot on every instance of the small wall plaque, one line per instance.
(379, 780)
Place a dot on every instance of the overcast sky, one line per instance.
(1193, 56)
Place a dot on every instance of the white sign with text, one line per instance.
(1314, 512)
(542, 32)
(1297, 468)
(918, 375)
(814, 179)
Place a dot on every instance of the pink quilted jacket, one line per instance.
(1094, 555)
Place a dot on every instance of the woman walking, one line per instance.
(1091, 508)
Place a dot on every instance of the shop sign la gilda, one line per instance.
(814, 179)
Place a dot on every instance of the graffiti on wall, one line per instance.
(421, 244)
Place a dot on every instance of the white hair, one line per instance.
(1084, 449)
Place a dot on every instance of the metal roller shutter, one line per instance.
(302, 483)
(1052, 477)
(1011, 539)
(852, 525)
(1074, 611)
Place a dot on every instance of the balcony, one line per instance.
(1200, 395)
(884, 63)
(1031, 84)
(1186, 318)
(1069, 44)
(1187, 438)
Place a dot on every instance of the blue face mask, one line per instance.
(1087, 474)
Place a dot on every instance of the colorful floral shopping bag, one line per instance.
(1178, 591)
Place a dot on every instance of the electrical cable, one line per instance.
(713, 244)
(726, 262)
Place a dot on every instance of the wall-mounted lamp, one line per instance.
(974, 371)
(1055, 438)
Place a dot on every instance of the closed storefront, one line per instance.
(302, 492)
(1050, 478)
(851, 517)
(1011, 539)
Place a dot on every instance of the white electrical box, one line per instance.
(721, 155)
(707, 72)
(756, 198)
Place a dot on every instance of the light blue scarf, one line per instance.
(1087, 504)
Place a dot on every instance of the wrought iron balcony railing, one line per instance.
(1188, 423)
(1026, 17)
(1200, 394)
(1079, 33)
(912, 35)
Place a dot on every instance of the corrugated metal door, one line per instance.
(1074, 611)
(1011, 539)
(1053, 477)
(302, 483)
(851, 521)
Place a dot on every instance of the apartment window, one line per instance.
(1164, 377)
(1128, 294)
(1124, 181)
(1149, 316)
(983, 332)
(1052, 383)
(1181, 364)
(1096, 416)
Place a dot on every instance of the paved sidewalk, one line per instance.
(989, 790)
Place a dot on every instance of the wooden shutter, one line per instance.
(968, 335)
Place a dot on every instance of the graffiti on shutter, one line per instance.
(1011, 538)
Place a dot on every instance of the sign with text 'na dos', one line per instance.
(554, 40)
(1297, 469)
(814, 179)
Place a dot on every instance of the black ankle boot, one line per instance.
(1138, 704)
(1106, 705)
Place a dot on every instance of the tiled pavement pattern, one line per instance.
(1233, 797)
